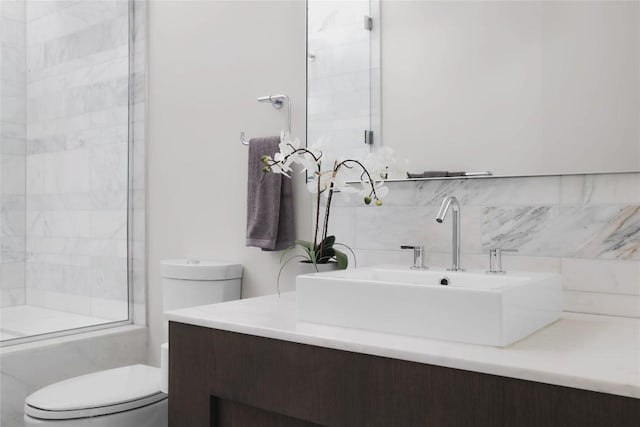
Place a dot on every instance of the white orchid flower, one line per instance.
(279, 168)
(326, 179)
(285, 160)
(381, 190)
(368, 194)
(345, 189)
(288, 145)
(384, 162)
(307, 162)
(317, 147)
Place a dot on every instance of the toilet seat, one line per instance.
(99, 393)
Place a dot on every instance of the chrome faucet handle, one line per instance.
(418, 256)
(495, 260)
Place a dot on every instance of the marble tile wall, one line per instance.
(339, 75)
(77, 151)
(12, 152)
(586, 227)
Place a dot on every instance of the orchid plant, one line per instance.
(372, 172)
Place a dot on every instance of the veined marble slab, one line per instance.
(597, 353)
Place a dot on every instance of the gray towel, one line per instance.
(270, 223)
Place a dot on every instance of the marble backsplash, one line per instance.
(586, 227)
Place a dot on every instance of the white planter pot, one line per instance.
(307, 267)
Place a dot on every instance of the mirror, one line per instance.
(515, 88)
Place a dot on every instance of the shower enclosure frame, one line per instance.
(135, 161)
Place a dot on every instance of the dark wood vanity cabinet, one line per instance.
(220, 378)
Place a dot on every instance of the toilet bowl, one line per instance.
(131, 396)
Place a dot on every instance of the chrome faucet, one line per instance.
(455, 241)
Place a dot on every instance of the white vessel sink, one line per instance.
(475, 307)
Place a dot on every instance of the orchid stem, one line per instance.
(364, 171)
(326, 212)
(315, 235)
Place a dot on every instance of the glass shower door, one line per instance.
(64, 155)
(341, 67)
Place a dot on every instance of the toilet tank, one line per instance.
(193, 282)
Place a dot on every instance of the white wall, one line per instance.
(208, 62)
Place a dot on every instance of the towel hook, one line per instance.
(277, 101)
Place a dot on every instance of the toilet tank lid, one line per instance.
(200, 269)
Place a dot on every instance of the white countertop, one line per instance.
(598, 353)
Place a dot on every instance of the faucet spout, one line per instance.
(452, 202)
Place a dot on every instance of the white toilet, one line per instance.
(131, 396)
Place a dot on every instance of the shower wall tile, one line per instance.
(72, 19)
(108, 200)
(12, 275)
(13, 130)
(57, 202)
(12, 297)
(12, 202)
(13, 9)
(63, 301)
(585, 227)
(109, 225)
(13, 223)
(12, 146)
(109, 167)
(13, 109)
(13, 80)
(12, 30)
(66, 224)
(110, 309)
(39, 8)
(13, 249)
(98, 38)
(12, 174)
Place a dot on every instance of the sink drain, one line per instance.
(445, 281)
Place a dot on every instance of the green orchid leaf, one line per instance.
(312, 256)
(328, 242)
(353, 254)
(286, 251)
(283, 266)
(343, 260)
(325, 255)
